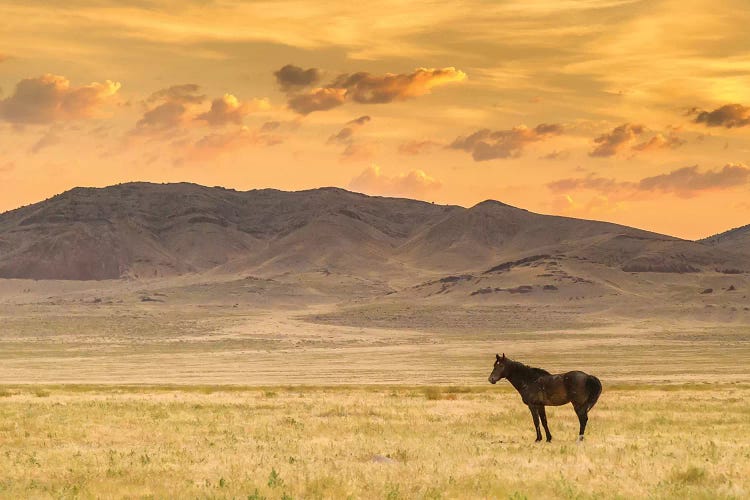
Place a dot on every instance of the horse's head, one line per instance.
(500, 369)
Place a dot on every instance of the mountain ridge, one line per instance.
(142, 229)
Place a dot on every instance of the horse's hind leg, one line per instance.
(535, 415)
(583, 417)
(543, 417)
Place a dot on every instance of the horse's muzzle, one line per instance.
(492, 381)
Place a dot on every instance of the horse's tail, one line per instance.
(594, 387)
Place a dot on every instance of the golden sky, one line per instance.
(636, 112)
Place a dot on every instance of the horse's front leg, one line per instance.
(543, 416)
(535, 416)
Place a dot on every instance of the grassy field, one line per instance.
(676, 441)
(202, 392)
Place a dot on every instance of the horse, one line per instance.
(538, 388)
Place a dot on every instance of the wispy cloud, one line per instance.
(684, 182)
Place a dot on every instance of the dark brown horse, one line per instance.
(538, 388)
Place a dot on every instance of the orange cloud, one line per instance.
(214, 145)
(228, 109)
(415, 183)
(729, 116)
(50, 98)
(366, 88)
(486, 144)
(595, 205)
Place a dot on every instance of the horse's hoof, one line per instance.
(549, 440)
(537, 440)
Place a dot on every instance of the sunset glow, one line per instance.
(636, 112)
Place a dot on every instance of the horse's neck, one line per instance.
(519, 377)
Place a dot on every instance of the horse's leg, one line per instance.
(543, 417)
(582, 411)
(535, 415)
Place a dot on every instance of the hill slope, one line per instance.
(735, 240)
(150, 230)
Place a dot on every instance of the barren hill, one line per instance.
(147, 230)
(735, 240)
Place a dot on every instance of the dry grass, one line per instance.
(368, 442)
(202, 399)
(191, 344)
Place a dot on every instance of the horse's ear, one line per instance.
(497, 356)
(503, 355)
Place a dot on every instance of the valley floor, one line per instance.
(372, 344)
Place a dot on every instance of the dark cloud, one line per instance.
(317, 100)
(622, 139)
(366, 88)
(729, 116)
(292, 77)
(166, 109)
(165, 116)
(487, 144)
(50, 98)
(684, 182)
(346, 134)
(355, 150)
(556, 155)
(414, 148)
(618, 139)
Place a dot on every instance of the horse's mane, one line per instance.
(530, 370)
